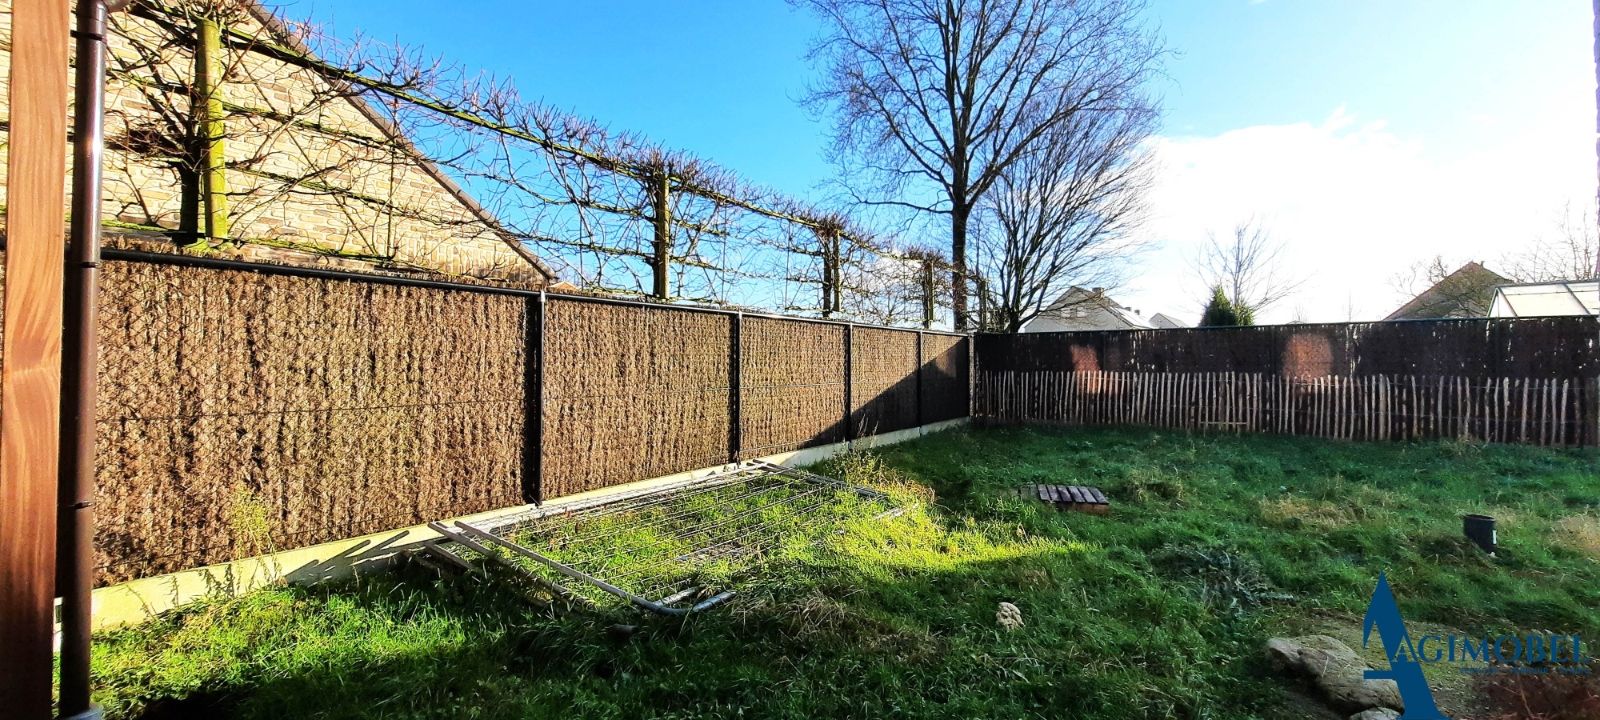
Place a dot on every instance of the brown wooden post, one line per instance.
(208, 70)
(661, 262)
(1591, 424)
(830, 269)
(927, 293)
(838, 273)
(30, 377)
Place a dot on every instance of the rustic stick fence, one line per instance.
(319, 405)
(1525, 380)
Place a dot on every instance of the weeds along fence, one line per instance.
(250, 408)
(1524, 380)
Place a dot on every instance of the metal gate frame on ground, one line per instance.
(486, 537)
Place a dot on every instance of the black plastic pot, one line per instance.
(1480, 530)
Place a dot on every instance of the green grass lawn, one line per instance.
(1157, 610)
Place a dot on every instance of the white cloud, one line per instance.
(1355, 203)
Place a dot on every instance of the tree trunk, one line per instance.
(958, 258)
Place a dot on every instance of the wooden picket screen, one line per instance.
(1526, 380)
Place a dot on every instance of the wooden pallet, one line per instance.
(1081, 498)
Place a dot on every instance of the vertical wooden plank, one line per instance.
(30, 374)
(661, 216)
(1561, 417)
(1541, 398)
(1522, 421)
(1317, 396)
(1439, 410)
(208, 75)
(1592, 413)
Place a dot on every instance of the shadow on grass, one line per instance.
(1156, 611)
(807, 641)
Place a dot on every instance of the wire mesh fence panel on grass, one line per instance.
(681, 547)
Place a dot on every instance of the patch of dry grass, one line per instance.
(1580, 533)
(1293, 511)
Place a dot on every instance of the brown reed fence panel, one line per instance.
(883, 380)
(632, 392)
(1525, 380)
(247, 409)
(242, 412)
(946, 382)
(791, 386)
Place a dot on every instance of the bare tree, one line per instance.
(1248, 266)
(367, 151)
(1064, 214)
(935, 99)
(1574, 254)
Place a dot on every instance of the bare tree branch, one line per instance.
(1248, 266)
(939, 98)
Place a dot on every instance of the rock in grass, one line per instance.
(1336, 670)
(1376, 714)
(1009, 616)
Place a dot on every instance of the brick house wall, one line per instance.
(314, 173)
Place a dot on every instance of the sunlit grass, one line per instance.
(1154, 611)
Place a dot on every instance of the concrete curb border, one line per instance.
(139, 600)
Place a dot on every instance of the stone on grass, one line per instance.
(1009, 616)
(1335, 670)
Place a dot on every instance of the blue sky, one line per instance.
(1365, 134)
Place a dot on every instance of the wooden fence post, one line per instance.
(661, 260)
(208, 71)
(30, 379)
(831, 294)
(1591, 405)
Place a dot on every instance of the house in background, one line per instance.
(1466, 293)
(314, 174)
(1580, 297)
(1163, 321)
(1079, 309)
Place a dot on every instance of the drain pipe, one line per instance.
(75, 525)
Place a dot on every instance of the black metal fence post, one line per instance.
(849, 383)
(735, 389)
(919, 377)
(533, 403)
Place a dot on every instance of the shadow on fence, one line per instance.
(247, 406)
